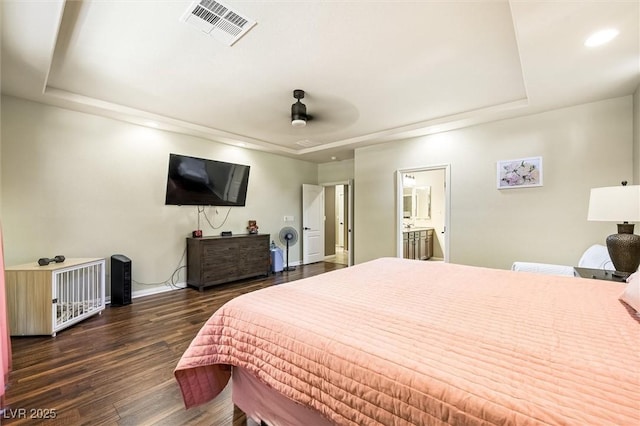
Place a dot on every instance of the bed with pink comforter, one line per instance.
(396, 341)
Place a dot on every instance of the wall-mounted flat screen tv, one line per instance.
(201, 182)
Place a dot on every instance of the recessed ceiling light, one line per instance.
(334, 157)
(601, 37)
(242, 144)
(149, 123)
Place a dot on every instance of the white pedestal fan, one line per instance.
(289, 237)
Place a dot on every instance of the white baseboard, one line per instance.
(157, 290)
(153, 290)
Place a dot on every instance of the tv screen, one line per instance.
(201, 182)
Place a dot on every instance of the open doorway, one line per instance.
(423, 207)
(338, 232)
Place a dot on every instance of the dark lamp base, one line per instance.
(624, 248)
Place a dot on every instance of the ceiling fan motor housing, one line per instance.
(298, 110)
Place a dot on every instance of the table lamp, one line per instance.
(619, 204)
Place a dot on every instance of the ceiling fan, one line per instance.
(330, 113)
(299, 115)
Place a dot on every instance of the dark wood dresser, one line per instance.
(218, 260)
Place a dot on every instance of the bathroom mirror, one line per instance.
(416, 202)
(407, 203)
(422, 202)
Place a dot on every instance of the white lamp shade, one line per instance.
(615, 204)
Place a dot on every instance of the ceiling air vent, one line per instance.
(218, 20)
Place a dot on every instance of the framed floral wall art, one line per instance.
(520, 173)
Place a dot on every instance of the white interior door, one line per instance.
(312, 223)
(350, 222)
(340, 215)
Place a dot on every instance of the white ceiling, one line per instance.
(373, 71)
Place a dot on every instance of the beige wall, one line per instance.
(582, 147)
(85, 186)
(335, 171)
(81, 185)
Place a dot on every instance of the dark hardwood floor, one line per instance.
(117, 368)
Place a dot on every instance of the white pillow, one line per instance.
(631, 294)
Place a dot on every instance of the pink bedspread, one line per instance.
(397, 341)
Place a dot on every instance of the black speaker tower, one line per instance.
(120, 280)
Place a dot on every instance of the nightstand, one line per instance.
(602, 274)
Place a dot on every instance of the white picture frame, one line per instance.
(519, 173)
